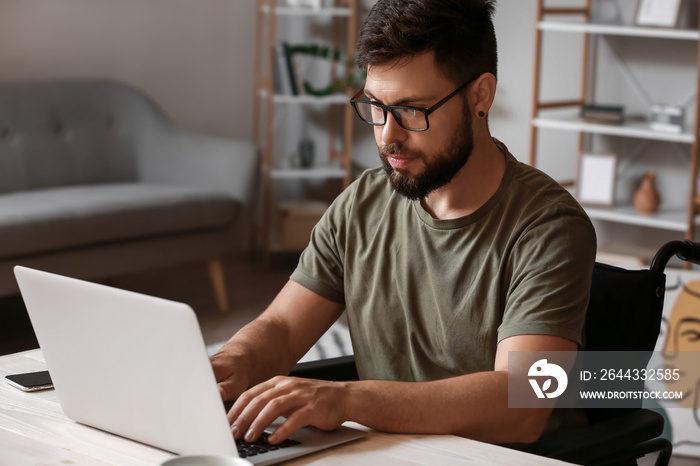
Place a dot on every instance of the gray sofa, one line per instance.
(95, 182)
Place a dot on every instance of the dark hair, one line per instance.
(460, 33)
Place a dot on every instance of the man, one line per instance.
(462, 255)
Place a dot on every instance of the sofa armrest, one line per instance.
(170, 155)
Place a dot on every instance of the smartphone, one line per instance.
(30, 381)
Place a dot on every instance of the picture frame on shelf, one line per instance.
(658, 13)
(597, 176)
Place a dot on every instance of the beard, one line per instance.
(439, 169)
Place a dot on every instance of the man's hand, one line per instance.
(303, 402)
(275, 341)
(231, 375)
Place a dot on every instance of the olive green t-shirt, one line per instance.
(428, 299)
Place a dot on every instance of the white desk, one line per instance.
(33, 430)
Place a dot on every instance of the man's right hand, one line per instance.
(231, 374)
(274, 341)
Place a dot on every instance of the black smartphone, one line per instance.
(30, 381)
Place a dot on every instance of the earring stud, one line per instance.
(481, 114)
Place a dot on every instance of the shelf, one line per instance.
(612, 30)
(673, 219)
(281, 228)
(333, 99)
(629, 129)
(563, 114)
(301, 11)
(321, 173)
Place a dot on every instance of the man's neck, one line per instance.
(472, 187)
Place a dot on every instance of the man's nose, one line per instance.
(391, 131)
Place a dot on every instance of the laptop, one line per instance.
(136, 366)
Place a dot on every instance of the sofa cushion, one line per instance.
(74, 216)
(68, 133)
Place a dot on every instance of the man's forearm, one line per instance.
(253, 346)
(275, 341)
(474, 406)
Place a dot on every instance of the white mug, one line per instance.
(206, 460)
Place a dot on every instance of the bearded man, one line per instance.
(446, 258)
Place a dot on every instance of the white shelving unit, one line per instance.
(268, 117)
(613, 30)
(682, 218)
(627, 130)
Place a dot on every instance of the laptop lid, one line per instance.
(137, 366)
(127, 363)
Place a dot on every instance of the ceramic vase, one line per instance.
(647, 199)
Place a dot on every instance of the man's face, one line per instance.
(418, 163)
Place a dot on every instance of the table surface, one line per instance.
(34, 430)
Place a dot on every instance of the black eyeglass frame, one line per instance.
(390, 108)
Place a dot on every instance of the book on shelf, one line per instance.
(282, 83)
(608, 114)
(284, 71)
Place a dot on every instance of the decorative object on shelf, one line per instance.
(308, 69)
(608, 12)
(304, 157)
(314, 61)
(647, 199)
(316, 4)
(667, 118)
(658, 13)
(596, 179)
(609, 114)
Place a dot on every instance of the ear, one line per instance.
(482, 93)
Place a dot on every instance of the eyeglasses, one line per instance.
(409, 118)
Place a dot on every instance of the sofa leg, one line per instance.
(216, 273)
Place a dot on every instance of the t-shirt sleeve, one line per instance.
(320, 267)
(552, 264)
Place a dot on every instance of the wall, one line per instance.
(194, 57)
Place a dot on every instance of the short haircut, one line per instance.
(460, 33)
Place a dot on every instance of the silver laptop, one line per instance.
(136, 366)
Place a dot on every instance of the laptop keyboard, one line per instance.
(261, 446)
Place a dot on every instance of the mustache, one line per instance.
(395, 149)
(390, 149)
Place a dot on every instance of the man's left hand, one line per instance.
(304, 402)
